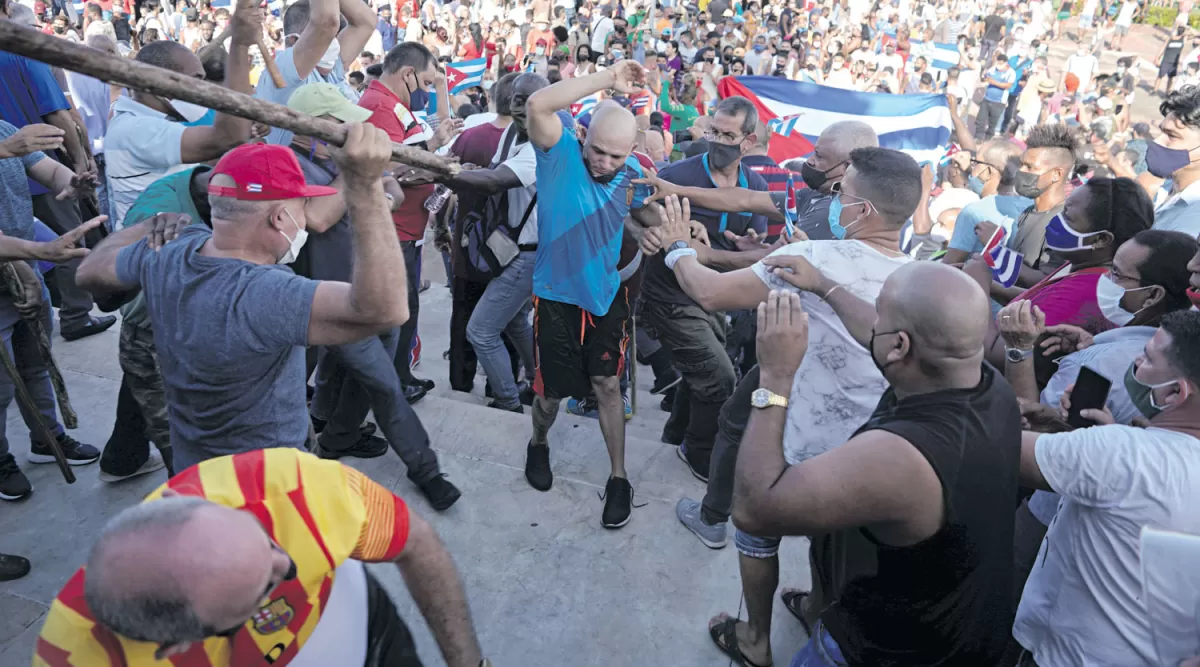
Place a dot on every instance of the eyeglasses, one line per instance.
(723, 137)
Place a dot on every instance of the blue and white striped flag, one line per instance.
(1004, 262)
(941, 58)
(585, 105)
(784, 126)
(465, 74)
(918, 125)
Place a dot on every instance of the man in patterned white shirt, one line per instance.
(837, 385)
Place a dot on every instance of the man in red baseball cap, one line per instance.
(230, 322)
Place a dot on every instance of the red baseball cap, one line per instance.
(264, 172)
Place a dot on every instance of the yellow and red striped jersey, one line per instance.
(320, 512)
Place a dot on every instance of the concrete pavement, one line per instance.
(547, 584)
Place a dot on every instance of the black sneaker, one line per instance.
(666, 381)
(13, 483)
(425, 384)
(414, 392)
(537, 467)
(517, 408)
(367, 447)
(13, 567)
(440, 493)
(699, 470)
(77, 453)
(618, 502)
(90, 327)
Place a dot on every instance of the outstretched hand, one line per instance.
(782, 333)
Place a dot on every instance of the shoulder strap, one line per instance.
(528, 212)
(510, 135)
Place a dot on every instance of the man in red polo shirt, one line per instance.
(397, 101)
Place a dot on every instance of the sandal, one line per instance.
(724, 635)
(793, 601)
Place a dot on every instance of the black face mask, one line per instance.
(722, 156)
(871, 350)
(604, 179)
(815, 178)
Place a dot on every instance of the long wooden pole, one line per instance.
(140, 76)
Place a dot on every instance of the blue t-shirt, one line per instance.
(996, 93)
(580, 225)
(1004, 210)
(230, 337)
(16, 208)
(30, 92)
(287, 67)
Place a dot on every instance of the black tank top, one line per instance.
(947, 600)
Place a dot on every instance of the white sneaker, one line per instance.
(153, 463)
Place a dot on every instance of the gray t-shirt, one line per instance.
(266, 88)
(230, 337)
(16, 205)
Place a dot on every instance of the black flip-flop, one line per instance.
(724, 635)
(792, 600)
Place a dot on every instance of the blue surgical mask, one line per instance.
(418, 98)
(835, 215)
(1060, 236)
(975, 184)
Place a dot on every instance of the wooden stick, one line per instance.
(173, 85)
(269, 63)
(39, 428)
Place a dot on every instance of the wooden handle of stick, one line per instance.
(173, 85)
(269, 63)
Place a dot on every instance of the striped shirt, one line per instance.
(320, 512)
(776, 178)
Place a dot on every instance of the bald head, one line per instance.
(210, 565)
(843, 137)
(172, 56)
(942, 308)
(610, 139)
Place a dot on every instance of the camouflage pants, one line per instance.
(139, 361)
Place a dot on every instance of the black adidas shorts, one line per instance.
(572, 345)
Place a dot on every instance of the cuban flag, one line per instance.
(783, 126)
(585, 105)
(465, 74)
(1004, 262)
(790, 212)
(638, 103)
(942, 57)
(918, 125)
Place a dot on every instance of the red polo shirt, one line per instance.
(389, 114)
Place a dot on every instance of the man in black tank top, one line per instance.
(926, 488)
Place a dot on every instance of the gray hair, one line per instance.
(164, 617)
(735, 106)
(848, 136)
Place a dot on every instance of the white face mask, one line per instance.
(190, 112)
(294, 245)
(1108, 297)
(331, 56)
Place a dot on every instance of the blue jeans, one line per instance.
(755, 546)
(504, 308)
(22, 347)
(357, 377)
(820, 651)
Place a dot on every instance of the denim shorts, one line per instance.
(756, 547)
(820, 651)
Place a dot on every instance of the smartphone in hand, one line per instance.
(1090, 392)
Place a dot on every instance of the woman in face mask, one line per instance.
(1098, 221)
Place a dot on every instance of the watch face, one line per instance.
(1015, 356)
(678, 245)
(760, 398)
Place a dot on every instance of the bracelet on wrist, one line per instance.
(831, 290)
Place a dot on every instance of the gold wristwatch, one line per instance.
(765, 398)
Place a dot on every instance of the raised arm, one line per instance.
(203, 143)
(483, 181)
(545, 128)
(375, 297)
(322, 29)
(855, 484)
(360, 24)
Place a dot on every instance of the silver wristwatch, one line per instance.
(1016, 355)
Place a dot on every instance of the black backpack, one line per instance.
(489, 237)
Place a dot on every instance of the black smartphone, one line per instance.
(1091, 392)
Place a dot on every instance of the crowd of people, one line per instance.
(972, 383)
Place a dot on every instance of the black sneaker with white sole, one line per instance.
(13, 483)
(618, 502)
(77, 453)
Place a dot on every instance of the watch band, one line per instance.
(675, 255)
